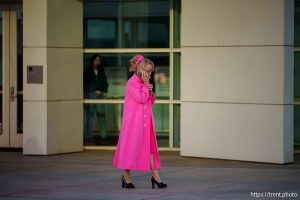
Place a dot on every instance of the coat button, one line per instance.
(145, 115)
(144, 124)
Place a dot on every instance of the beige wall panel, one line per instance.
(237, 74)
(246, 132)
(235, 22)
(35, 56)
(65, 20)
(35, 127)
(34, 23)
(65, 74)
(65, 126)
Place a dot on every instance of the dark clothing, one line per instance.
(93, 82)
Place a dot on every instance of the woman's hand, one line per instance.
(99, 93)
(150, 87)
(145, 77)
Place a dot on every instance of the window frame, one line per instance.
(171, 101)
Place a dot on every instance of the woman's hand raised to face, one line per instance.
(145, 77)
(150, 86)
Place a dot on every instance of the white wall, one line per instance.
(237, 79)
(53, 111)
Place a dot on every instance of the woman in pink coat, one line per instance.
(137, 145)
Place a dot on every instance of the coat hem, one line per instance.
(137, 169)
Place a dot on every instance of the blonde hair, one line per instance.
(139, 61)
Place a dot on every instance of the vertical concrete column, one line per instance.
(53, 110)
(237, 79)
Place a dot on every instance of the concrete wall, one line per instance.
(53, 111)
(237, 79)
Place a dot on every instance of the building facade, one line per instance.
(225, 75)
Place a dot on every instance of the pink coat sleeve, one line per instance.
(139, 94)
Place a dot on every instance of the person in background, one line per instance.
(95, 87)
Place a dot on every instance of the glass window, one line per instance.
(130, 24)
(177, 15)
(116, 68)
(126, 24)
(102, 123)
(161, 116)
(176, 79)
(176, 125)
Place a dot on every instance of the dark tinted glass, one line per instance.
(116, 68)
(126, 24)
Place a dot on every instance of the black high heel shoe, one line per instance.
(126, 185)
(159, 184)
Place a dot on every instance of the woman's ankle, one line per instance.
(127, 177)
(156, 177)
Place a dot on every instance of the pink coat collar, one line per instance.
(137, 78)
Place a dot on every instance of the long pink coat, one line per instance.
(137, 137)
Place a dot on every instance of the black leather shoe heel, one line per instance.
(159, 184)
(126, 185)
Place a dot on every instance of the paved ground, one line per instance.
(90, 175)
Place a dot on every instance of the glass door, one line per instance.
(11, 81)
